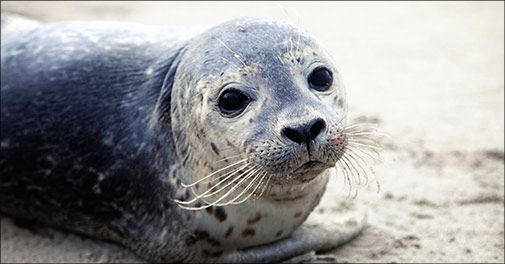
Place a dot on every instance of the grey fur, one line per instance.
(103, 124)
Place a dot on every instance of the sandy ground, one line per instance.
(430, 75)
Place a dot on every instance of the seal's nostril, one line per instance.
(304, 133)
(293, 135)
(316, 128)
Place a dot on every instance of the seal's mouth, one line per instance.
(312, 165)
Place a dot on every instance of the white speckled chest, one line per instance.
(259, 220)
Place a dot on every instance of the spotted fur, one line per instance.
(104, 127)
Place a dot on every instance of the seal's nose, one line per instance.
(305, 132)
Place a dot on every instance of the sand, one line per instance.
(430, 75)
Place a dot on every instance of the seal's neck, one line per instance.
(258, 220)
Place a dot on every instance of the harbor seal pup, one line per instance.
(212, 148)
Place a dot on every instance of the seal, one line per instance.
(210, 147)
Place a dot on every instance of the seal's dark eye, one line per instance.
(232, 102)
(320, 79)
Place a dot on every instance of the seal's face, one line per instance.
(264, 100)
(289, 103)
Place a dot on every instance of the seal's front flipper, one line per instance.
(321, 232)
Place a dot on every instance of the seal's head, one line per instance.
(258, 101)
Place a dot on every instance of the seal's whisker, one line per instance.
(235, 54)
(358, 159)
(366, 124)
(261, 178)
(366, 144)
(351, 161)
(190, 208)
(297, 50)
(348, 176)
(370, 139)
(246, 189)
(230, 157)
(342, 163)
(265, 185)
(346, 179)
(209, 204)
(291, 44)
(355, 176)
(360, 166)
(372, 171)
(268, 186)
(252, 174)
(373, 156)
(373, 139)
(355, 193)
(229, 202)
(356, 132)
(347, 158)
(376, 180)
(345, 174)
(206, 194)
(245, 174)
(261, 183)
(374, 153)
(361, 126)
(198, 196)
(372, 148)
(230, 62)
(280, 59)
(232, 189)
(362, 136)
(213, 173)
(351, 126)
(224, 177)
(287, 48)
(216, 177)
(366, 133)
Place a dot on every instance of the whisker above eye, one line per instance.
(235, 54)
